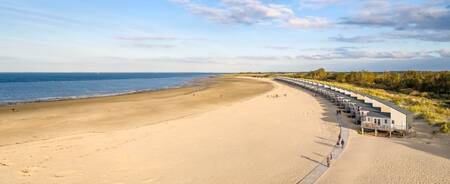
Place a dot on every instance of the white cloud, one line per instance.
(277, 47)
(434, 36)
(444, 52)
(356, 39)
(402, 16)
(145, 38)
(153, 46)
(350, 53)
(314, 4)
(148, 42)
(252, 12)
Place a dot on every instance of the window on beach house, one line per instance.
(393, 122)
(385, 121)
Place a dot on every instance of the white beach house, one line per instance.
(371, 113)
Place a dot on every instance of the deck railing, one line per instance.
(376, 126)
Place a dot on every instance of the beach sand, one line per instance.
(226, 130)
(423, 158)
(45, 120)
(222, 130)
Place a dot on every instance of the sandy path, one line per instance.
(370, 159)
(258, 140)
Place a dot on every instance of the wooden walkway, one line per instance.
(321, 168)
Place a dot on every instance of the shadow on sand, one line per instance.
(312, 160)
(437, 145)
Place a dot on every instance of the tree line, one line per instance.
(424, 83)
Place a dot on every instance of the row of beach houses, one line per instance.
(370, 112)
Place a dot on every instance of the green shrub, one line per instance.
(445, 128)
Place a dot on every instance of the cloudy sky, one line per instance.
(223, 35)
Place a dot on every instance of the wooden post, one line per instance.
(390, 133)
(376, 131)
(362, 130)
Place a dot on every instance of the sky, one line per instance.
(223, 35)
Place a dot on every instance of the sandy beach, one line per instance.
(264, 132)
(221, 130)
(45, 120)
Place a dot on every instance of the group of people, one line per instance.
(276, 95)
(329, 158)
(340, 142)
(338, 112)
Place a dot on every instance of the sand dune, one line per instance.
(262, 139)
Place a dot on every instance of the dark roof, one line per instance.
(378, 114)
(373, 111)
(385, 102)
(390, 104)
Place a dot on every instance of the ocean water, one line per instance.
(29, 87)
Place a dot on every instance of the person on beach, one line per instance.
(328, 161)
(337, 144)
(342, 143)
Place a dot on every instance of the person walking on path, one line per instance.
(328, 161)
(342, 143)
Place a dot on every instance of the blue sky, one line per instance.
(223, 35)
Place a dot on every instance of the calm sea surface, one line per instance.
(27, 87)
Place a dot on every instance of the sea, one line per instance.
(32, 87)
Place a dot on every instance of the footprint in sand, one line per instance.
(150, 180)
(64, 173)
(4, 163)
(28, 170)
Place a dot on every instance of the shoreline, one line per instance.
(49, 119)
(218, 131)
(189, 83)
(221, 133)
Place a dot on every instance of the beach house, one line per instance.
(371, 113)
